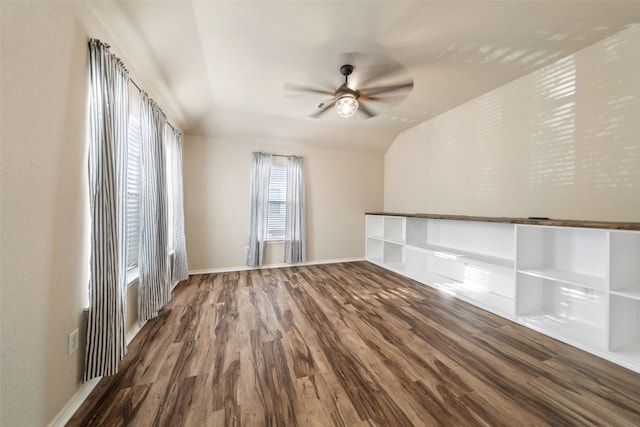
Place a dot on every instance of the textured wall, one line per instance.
(561, 142)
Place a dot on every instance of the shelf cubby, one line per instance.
(374, 250)
(417, 232)
(419, 266)
(573, 256)
(497, 281)
(489, 288)
(473, 256)
(490, 243)
(624, 330)
(625, 323)
(393, 254)
(574, 314)
(417, 262)
(625, 264)
(489, 301)
(394, 227)
(375, 226)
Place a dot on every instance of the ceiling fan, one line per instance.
(347, 100)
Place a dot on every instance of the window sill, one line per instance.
(132, 277)
(133, 274)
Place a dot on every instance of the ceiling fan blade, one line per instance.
(370, 98)
(321, 104)
(384, 89)
(390, 99)
(323, 109)
(365, 110)
(382, 71)
(309, 89)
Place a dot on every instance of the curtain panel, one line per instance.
(294, 231)
(154, 286)
(108, 116)
(259, 205)
(179, 269)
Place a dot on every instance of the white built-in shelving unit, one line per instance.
(579, 284)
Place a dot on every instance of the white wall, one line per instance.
(44, 204)
(340, 187)
(561, 142)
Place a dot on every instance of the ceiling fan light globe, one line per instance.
(346, 106)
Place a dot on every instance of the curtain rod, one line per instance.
(140, 90)
(285, 155)
(106, 45)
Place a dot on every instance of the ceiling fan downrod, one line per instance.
(346, 71)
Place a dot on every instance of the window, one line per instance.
(169, 179)
(277, 202)
(133, 193)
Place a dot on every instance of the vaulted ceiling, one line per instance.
(223, 65)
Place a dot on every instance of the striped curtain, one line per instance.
(294, 230)
(109, 115)
(179, 268)
(259, 202)
(154, 287)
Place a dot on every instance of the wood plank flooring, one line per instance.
(349, 344)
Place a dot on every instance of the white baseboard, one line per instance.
(132, 334)
(72, 405)
(83, 392)
(244, 267)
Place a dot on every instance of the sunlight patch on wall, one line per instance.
(436, 175)
(610, 153)
(613, 159)
(487, 163)
(552, 155)
(504, 55)
(514, 55)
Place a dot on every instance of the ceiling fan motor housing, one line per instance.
(344, 90)
(346, 70)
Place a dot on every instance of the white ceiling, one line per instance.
(223, 65)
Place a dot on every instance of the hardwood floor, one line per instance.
(349, 345)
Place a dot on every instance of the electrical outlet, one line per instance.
(246, 249)
(73, 342)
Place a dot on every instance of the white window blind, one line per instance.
(170, 190)
(133, 193)
(277, 202)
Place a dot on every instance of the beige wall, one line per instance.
(562, 142)
(340, 187)
(44, 204)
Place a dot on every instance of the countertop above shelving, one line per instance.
(528, 221)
